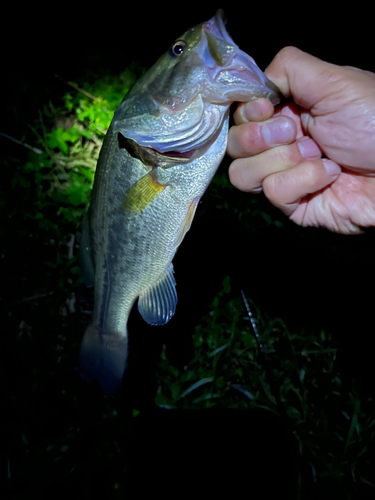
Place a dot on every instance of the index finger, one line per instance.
(257, 110)
(303, 76)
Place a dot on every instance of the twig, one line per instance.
(253, 324)
(41, 139)
(34, 297)
(41, 121)
(70, 245)
(274, 384)
(36, 150)
(75, 87)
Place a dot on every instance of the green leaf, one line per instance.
(366, 481)
(56, 140)
(226, 284)
(219, 349)
(266, 217)
(206, 397)
(87, 133)
(196, 385)
(353, 424)
(175, 390)
(72, 134)
(239, 388)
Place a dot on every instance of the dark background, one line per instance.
(305, 276)
(37, 43)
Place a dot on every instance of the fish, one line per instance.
(165, 142)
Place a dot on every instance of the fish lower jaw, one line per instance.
(187, 155)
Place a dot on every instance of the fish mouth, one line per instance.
(244, 73)
(187, 155)
(221, 21)
(172, 157)
(217, 27)
(152, 157)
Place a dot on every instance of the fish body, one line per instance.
(162, 149)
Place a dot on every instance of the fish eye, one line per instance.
(177, 48)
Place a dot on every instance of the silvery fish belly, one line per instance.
(165, 142)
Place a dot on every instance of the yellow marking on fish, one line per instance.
(143, 192)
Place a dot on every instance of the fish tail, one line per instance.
(103, 357)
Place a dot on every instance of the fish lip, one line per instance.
(216, 25)
(221, 21)
(187, 155)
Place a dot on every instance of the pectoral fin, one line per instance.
(143, 192)
(157, 305)
(188, 220)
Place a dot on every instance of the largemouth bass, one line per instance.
(165, 142)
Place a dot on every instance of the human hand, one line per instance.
(313, 156)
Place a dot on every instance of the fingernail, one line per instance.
(308, 148)
(243, 111)
(278, 131)
(331, 167)
(254, 111)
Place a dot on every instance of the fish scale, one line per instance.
(145, 193)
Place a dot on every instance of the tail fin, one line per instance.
(103, 357)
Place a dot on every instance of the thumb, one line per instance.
(302, 76)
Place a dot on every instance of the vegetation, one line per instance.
(61, 432)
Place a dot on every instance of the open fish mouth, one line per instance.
(187, 155)
(152, 157)
(164, 155)
(243, 70)
(216, 25)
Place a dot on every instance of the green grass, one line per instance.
(333, 426)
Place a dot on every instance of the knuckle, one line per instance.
(289, 52)
(244, 140)
(235, 174)
(271, 186)
(283, 155)
(250, 136)
(311, 174)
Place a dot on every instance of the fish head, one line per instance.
(180, 104)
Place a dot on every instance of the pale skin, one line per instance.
(313, 156)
